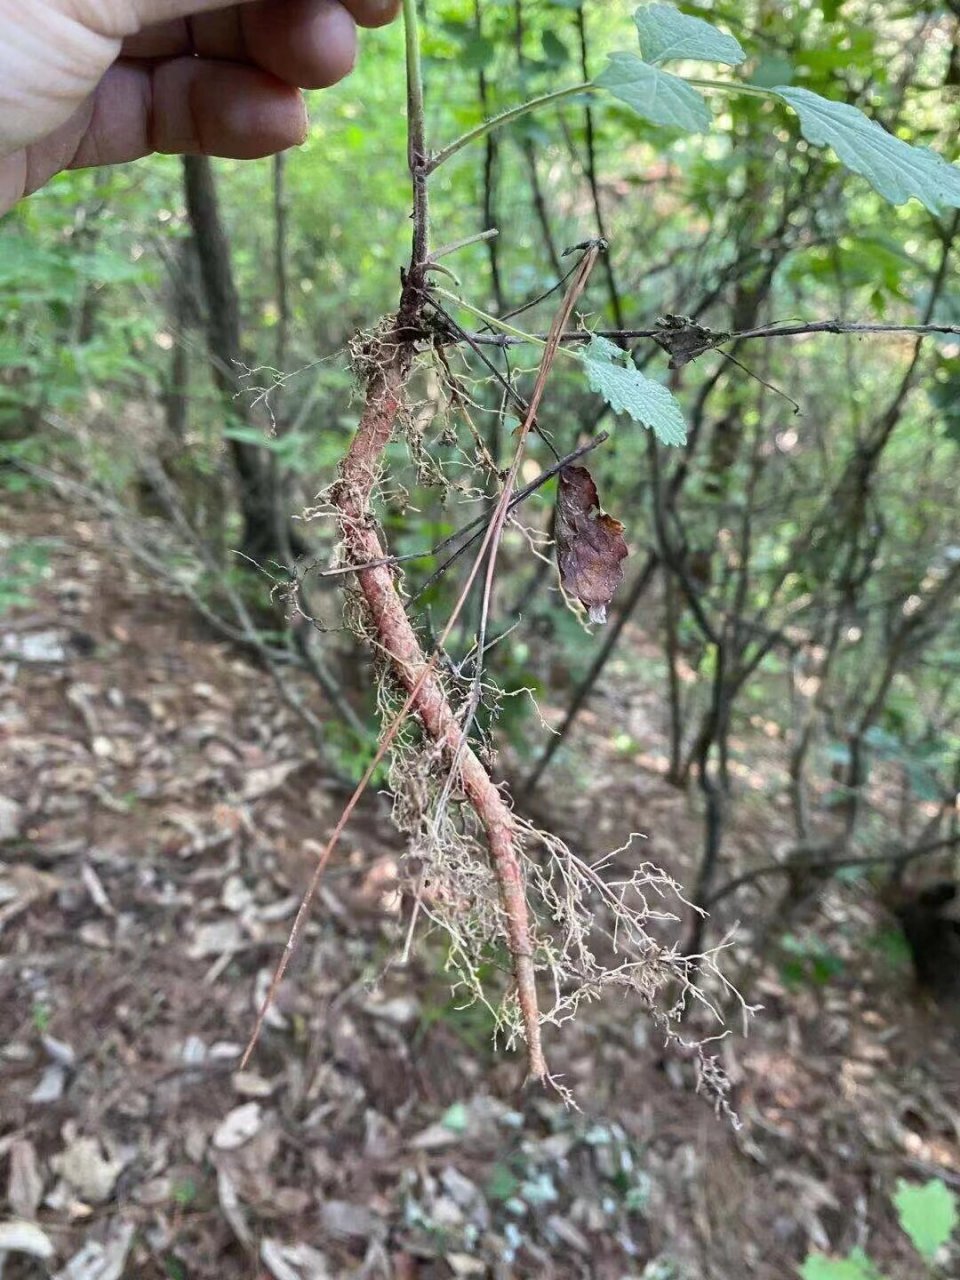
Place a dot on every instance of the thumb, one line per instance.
(117, 19)
(53, 56)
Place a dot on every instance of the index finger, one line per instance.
(147, 13)
(373, 13)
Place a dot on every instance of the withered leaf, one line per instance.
(590, 543)
(683, 339)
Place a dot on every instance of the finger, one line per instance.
(369, 13)
(311, 44)
(314, 47)
(146, 13)
(165, 40)
(13, 178)
(189, 106)
(373, 13)
(120, 20)
(26, 169)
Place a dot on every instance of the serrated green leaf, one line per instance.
(654, 94)
(928, 1214)
(627, 390)
(891, 166)
(856, 1266)
(667, 33)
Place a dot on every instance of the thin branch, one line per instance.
(830, 865)
(843, 326)
(562, 278)
(508, 387)
(593, 182)
(244, 634)
(490, 234)
(521, 494)
(498, 121)
(721, 339)
(583, 690)
(573, 293)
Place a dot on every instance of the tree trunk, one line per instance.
(255, 492)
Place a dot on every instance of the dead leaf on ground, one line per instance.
(293, 1262)
(88, 1171)
(261, 782)
(215, 938)
(232, 1209)
(50, 1086)
(24, 1237)
(248, 1166)
(11, 819)
(238, 1127)
(104, 1260)
(22, 886)
(25, 1185)
(590, 545)
(345, 1221)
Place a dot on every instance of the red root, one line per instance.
(398, 640)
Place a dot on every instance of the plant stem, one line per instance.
(800, 329)
(416, 135)
(496, 323)
(505, 117)
(490, 234)
(558, 95)
(729, 86)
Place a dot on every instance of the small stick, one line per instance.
(490, 234)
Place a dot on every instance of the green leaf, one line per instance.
(502, 1184)
(856, 1266)
(456, 1118)
(771, 69)
(654, 94)
(666, 33)
(928, 1214)
(627, 390)
(891, 166)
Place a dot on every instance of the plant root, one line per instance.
(398, 642)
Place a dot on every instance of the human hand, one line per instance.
(92, 82)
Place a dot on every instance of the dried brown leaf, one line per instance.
(102, 1260)
(590, 545)
(91, 1173)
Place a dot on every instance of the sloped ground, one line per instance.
(160, 810)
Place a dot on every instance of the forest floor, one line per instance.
(159, 812)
